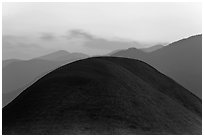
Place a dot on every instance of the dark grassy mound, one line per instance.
(104, 95)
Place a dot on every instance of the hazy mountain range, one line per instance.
(9, 61)
(104, 95)
(180, 60)
(19, 74)
(153, 48)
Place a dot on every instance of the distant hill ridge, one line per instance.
(17, 75)
(180, 60)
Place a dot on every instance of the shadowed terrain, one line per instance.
(104, 95)
(181, 61)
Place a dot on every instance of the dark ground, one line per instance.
(104, 95)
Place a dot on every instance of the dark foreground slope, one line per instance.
(104, 95)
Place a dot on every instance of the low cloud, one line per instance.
(97, 42)
(74, 40)
(20, 47)
(13, 41)
(77, 33)
(47, 36)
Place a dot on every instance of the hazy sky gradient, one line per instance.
(33, 29)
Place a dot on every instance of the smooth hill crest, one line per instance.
(104, 95)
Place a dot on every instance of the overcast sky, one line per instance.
(33, 29)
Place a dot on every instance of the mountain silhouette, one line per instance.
(9, 61)
(20, 74)
(104, 95)
(181, 60)
(63, 55)
(152, 48)
(55, 56)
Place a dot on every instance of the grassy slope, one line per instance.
(104, 95)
